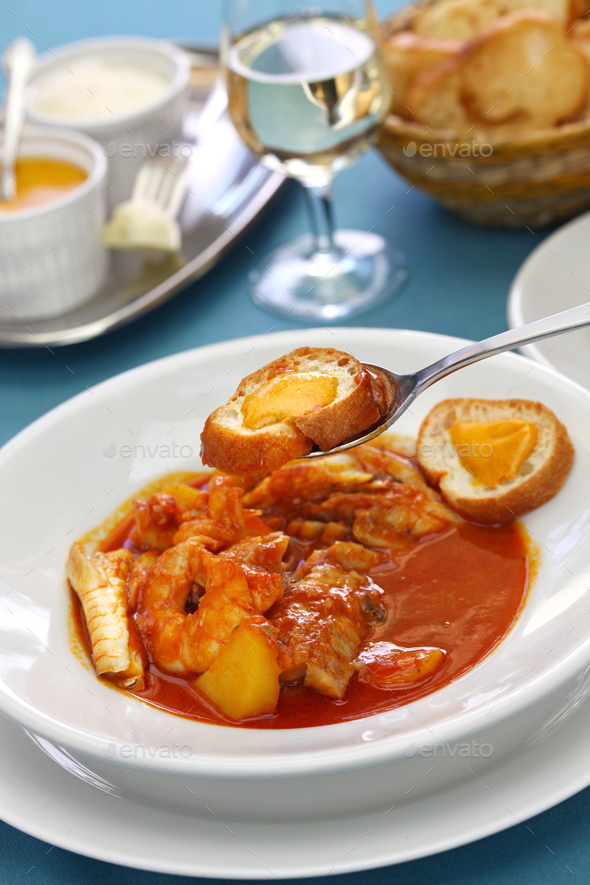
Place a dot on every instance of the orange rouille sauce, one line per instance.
(460, 591)
(40, 180)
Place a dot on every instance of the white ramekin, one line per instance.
(51, 256)
(124, 138)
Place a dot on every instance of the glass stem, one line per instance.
(321, 215)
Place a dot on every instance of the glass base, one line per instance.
(362, 272)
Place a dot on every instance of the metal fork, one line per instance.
(148, 219)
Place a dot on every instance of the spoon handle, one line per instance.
(557, 324)
(18, 63)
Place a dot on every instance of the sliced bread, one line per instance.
(312, 396)
(539, 477)
(465, 19)
(409, 55)
(520, 74)
(526, 74)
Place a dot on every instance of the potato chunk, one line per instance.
(186, 497)
(243, 680)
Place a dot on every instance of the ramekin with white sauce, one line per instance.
(128, 93)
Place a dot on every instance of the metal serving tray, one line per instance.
(227, 190)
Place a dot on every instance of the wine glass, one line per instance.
(307, 91)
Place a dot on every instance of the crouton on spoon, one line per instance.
(313, 396)
(318, 401)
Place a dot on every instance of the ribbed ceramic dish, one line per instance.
(529, 180)
(51, 256)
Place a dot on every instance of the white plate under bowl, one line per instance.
(79, 461)
(40, 798)
(555, 277)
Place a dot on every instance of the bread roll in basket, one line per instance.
(504, 171)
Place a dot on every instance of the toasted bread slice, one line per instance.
(457, 19)
(313, 395)
(435, 97)
(408, 55)
(520, 74)
(525, 74)
(581, 28)
(580, 35)
(580, 8)
(539, 478)
(466, 19)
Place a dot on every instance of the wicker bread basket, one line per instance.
(530, 180)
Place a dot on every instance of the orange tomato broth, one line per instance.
(40, 180)
(461, 591)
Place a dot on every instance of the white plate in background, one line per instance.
(555, 277)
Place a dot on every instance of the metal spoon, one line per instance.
(18, 61)
(407, 387)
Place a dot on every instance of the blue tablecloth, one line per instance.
(460, 277)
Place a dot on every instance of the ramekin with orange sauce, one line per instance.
(51, 255)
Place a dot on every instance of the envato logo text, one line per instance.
(463, 450)
(143, 751)
(466, 750)
(139, 450)
(409, 450)
(446, 149)
(142, 150)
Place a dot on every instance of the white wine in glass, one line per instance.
(308, 92)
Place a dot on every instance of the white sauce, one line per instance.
(97, 89)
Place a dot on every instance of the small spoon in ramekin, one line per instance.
(18, 61)
(404, 389)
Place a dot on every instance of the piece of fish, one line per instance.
(322, 623)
